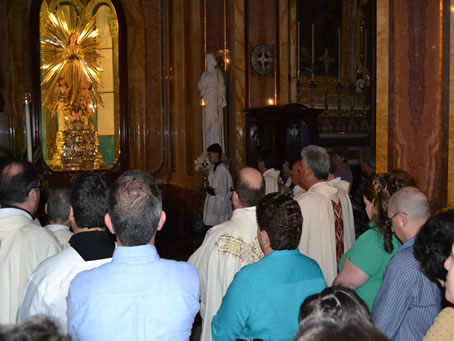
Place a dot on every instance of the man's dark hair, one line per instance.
(369, 160)
(37, 328)
(135, 207)
(268, 159)
(247, 195)
(58, 206)
(17, 179)
(280, 216)
(337, 302)
(89, 199)
(433, 244)
(215, 148)
(328, 328)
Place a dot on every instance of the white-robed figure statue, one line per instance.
(212, 90)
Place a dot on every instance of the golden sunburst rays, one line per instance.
(70, 58)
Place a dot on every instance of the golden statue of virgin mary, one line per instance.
(71, 74)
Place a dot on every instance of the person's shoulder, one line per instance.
(403, 264)
(182, 272)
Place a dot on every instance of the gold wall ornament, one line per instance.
(78, 39)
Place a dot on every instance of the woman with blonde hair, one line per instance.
(363, 265)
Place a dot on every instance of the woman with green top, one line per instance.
(362, 266)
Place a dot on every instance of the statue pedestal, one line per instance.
(77, 149)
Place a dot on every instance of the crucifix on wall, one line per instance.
(326, 61)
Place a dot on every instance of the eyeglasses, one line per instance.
(389, 221)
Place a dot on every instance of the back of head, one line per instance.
(328, 329)
(38, 328)
(280, 216)
(268, 159)
(135, 207)
(317, 159)
(58, 206)
(215, 148)
(378, 189)
(340, 151)
(369, 160)
(337, 302)
(412, 202)
(250, 187)
(433, 244)
(89, 199)
(17, 179)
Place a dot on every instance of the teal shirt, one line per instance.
(369, 255)
(263, 299)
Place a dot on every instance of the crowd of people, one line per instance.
(282, 259)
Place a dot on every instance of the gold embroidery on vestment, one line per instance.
(247, 253)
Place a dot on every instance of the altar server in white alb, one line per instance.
(229, 246)
(328, 226)
(218, 203)
(48, 285)
(23, 244)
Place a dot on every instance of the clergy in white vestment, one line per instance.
(265, 165)
(58, 209)
(48, 285)
(328, 226)
(23, 244)
(229, 246)
(218, 204)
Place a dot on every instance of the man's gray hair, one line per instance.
(316, 159)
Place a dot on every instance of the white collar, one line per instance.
(56, 227)
(11, 211)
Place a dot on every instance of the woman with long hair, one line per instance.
(363, 265)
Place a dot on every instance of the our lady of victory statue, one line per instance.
(212, 90)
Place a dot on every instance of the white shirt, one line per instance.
(224, 251)
(271, 177)
(23, 245)
(48, 286)
(61, 232)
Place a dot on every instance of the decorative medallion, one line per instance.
(262, 59)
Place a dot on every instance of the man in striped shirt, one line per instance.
(407, 302)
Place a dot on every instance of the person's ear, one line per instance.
(265, 238)
(33, 194)
(45, 208)
(108, 223)
(162, 220)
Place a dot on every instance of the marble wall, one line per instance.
(413, 92)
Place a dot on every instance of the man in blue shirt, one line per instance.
(407, 302)
(264, 298)
(137, 296)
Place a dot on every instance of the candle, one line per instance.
(202, 104)
(298, 48)
(339, 54)
(365, 50)
(313, 52)
(28, 128)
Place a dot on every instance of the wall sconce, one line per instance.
(223, 57)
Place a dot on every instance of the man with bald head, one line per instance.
(229, 246)
(407, 302)
(23, 244)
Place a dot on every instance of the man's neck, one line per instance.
(87, 229)
(315, 182)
